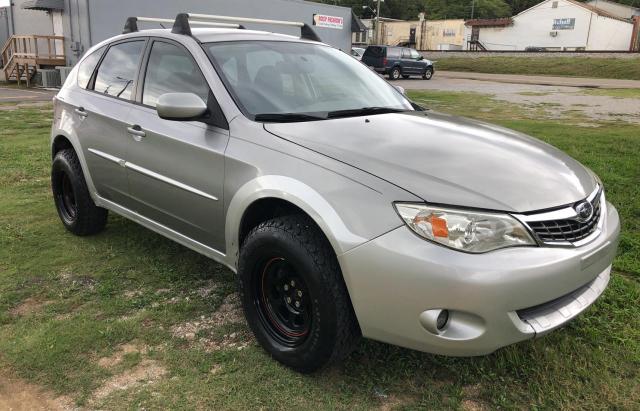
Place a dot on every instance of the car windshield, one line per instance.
(291, 81)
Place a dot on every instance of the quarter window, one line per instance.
(85, 70)
(171, 69)
(118, 70)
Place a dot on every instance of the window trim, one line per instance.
(92, 81)
(218, 118)
(89, 85)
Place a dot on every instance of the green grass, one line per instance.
(614, 92)
(614, 68)
(129, 285)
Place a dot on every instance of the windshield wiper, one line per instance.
(286, 117)
(364, 111)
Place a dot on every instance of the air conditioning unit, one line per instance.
(50, 78)
(553, 33)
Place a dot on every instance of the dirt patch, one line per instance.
(118, 356)
(229, 312)
(18, 395)
(145, 373)
(27, 307)
(392, 402)
(473, 405)
(74, 280)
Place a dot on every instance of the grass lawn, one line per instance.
(85, 317)
(617, 68)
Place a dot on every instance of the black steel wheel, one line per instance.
(294, 296)
(76, 209)
(283, 302)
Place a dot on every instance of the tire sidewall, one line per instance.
(428, 73)
(318, 346)
(59, 168)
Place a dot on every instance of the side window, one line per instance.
(393, 53)
(118, 70)
(171, 69)
(406, 54)
(85, 70)
(414, 54)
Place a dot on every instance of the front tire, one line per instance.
(294, 296)
(428, 73)
(76, 209)
(395, 73)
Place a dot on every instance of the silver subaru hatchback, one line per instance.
(345, 209)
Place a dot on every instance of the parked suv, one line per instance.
(398, 62)
(345, 209)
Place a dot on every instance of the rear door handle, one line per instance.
(136, 131)
(80, 111)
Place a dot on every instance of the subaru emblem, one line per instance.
(584, 211)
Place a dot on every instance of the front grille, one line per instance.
(567, 230)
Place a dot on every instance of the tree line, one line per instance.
(443, 9)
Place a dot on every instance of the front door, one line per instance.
(176, 168)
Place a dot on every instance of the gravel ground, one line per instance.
(556, 101)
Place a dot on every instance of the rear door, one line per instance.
(176, 168)
(409, 65)
(103, 110)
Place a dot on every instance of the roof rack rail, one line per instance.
(183, 21)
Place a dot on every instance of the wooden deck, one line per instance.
(24, 55)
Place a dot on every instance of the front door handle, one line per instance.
(80, 111)
(136, 131)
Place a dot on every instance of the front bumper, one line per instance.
(494, 299)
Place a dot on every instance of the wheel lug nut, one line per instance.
(293, 283)
(289, 300)
(286, 287)
(299, 293)
(297, 304)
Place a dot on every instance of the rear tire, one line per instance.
(76, 209)
(294, 296)
(428, 73)
(395, 73)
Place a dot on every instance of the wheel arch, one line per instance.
(61, 141)
(270, 196)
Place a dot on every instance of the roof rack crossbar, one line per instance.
(201, 23)
(183, 21)
(306, 32)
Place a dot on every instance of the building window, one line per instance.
(554, 5)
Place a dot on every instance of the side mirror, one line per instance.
(180, 106)
(400, 89)
(420, 58)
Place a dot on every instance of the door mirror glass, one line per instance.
(180, 106)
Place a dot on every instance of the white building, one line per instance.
(552, 25)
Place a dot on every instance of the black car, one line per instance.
(398, 62)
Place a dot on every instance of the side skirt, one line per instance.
(165, 231)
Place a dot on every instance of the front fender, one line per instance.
(301, 195)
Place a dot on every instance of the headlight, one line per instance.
(470, 231)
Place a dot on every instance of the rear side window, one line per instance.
(374, 51)
(118, 70)
(393, 53)
(172, 70)
(406, 54)
(85, 70)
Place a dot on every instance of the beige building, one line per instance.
(420, 34)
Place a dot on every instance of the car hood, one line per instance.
(445, 159)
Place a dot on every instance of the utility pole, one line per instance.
(378, 24)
